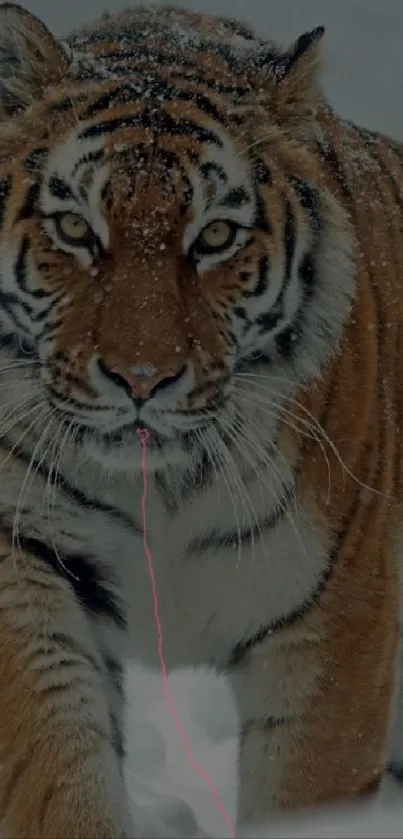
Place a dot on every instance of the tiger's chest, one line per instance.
(213, 573)
(214, 570)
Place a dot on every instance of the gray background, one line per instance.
(363, 44)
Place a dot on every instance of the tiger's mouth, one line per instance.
(118, 438)
(129, 433)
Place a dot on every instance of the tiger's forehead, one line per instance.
(215, 176)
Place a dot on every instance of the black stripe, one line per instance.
(243, 647)
(396, 770)
(36, 159)
(212, 168)
(270, 320)
(263, 277)
(5, 189)
(115, 671)
(200, 475)
(276, 722)
(234, 90)
(288, 340)
(69, 104)
(60, 373)
(234, 198)
(70, 491)
(265, 723)
(124, 94)
(89, 583)
(261, 174)
(9, 301)
(89, 158)
(308, 274)
(328, 155)
(308, 198)
(42, 316)
(50, 327)
(140, 54)
(242, 315)
(158, 122)
(99, 74)
(21, 271)
(59, 188)
(261, 218)
(70, 401)
(170, 160)
(117, 737)
(214, 540)
(56, 689)
(65, 643)
(289, 244)
(30, 202)
(153, 89)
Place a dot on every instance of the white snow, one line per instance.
(157, 768)
(364, 55)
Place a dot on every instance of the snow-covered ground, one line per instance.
(157, 766)
(363, 48)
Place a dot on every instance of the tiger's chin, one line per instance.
(128, 451)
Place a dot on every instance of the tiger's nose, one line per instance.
(143, 382)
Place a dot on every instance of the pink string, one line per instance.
(144, 436)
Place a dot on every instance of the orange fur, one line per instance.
(46, 786)
(334, 667)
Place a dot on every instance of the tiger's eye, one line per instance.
(73, 229)
(216, 236)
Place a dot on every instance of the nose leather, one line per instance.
(143, 384)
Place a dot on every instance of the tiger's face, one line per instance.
(152, 261)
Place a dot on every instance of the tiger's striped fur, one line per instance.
(268, 375)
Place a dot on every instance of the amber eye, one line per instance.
(73, 229)
(216, 237)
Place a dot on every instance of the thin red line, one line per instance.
(144, 435)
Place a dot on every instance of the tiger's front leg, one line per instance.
(315, 701)
(59, 773)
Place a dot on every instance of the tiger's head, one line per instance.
(168, 246)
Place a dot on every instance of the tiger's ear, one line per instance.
(296, 75)
(31, 59)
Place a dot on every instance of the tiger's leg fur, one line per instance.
(59, 772)
(316, 724)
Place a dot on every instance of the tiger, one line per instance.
(201, 268)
